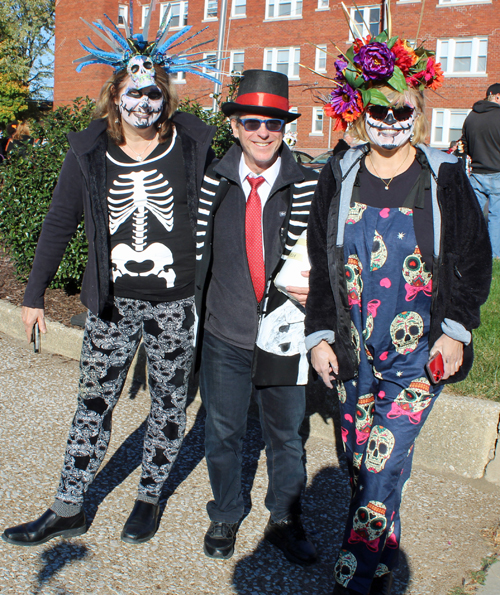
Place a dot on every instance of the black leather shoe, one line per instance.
(382, 585)
(220, 539)
(340, 590)
(142, 523)
(46, 527)
(289, 536)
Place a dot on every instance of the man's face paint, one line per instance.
(141, 108)
(389, 133)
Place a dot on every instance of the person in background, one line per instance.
(253, 207)
(400, 265)
(481, 133)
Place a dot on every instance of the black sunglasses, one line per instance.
(253, 124)
(154, 94)
(379, 112)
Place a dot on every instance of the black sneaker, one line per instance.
(219, 540)
(290, 537)
(46, 527)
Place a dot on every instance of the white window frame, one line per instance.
(144, 14)
(295, 5)
(178, 78)
(365, 12)
(315, 112)
(231, 60)
(462, 2)
(293, 66)
(206, 16)
(206, 57)
(323, 5)
(292, 126)
(183, 13)
(321, 54)
(452, 43)
(444, 143)
(240, 15)
(122, 12)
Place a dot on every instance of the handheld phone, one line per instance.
(35, 338)
(435, 368)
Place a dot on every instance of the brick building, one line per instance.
(281, 34)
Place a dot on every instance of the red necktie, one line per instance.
(253, 236)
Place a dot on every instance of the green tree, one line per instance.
(13, 99)
(26, 37)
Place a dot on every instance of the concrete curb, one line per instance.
(459, 437)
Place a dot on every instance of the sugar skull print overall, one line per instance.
(382, 411)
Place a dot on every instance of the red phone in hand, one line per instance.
(435, 368)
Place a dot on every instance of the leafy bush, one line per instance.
(28, 178)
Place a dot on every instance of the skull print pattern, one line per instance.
(109, 345)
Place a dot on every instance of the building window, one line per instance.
(211, 9)
(239, 8)
(323, 4)
(122, 15)
(320, 63)
(178, 77)
(365, 21)
(447, 126)
(317, 121)
(462, 57)
(291, 127)
(237, 61)
(145, 10)
(285, 60)
(211, 58)
(277, 9)
(444, 2)
(178, 13)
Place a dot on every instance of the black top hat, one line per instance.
(262, 92)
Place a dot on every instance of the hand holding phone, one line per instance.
(435, 368)
(35, 338)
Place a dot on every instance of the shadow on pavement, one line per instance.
(267, 572)
(54, 558)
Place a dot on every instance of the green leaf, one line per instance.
(378, 98)
(350, 54)
(381, 37)
(391, 42)
(398, 81)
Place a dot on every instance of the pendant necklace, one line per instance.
(386, 184)
(140, 156)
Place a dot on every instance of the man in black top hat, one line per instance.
(481, 132)
(253, 208)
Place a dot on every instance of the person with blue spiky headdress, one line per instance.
(135, 173)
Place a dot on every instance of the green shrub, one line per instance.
(28, 180)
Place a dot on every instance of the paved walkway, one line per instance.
(444, 517)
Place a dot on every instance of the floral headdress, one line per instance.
(372, 62)
(138, 55)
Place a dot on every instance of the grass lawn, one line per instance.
(484, 378)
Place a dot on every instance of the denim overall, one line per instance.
(383, 410)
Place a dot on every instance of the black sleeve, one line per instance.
(63, 217)
(467, 248)
(320, 307)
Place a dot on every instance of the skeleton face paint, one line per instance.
(389, 133)
(141, 108)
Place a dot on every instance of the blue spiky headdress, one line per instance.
(138, 55)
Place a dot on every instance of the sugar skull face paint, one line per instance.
(141, 71)
(141, 108)
(389, 133)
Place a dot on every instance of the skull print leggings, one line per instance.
(109, 345)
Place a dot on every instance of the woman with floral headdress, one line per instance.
(135, 172)
(400, 263)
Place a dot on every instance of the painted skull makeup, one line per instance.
(389, 133)
(141, 71)
(141, 108)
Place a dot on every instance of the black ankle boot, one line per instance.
(46, 527)
(290, 537)
(381, 585)
(142, 523)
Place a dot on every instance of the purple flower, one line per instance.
(376, 61)
(340, 64)
(344, 98)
